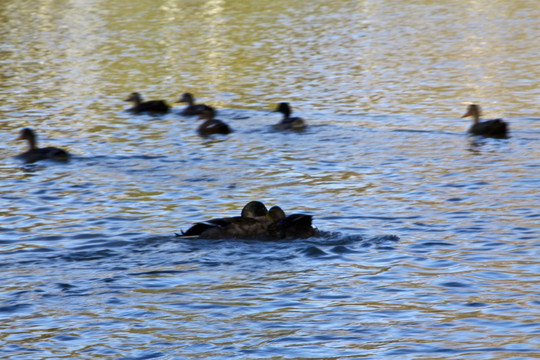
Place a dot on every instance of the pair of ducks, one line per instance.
(255, 223)
(211, 125)
(161, 106)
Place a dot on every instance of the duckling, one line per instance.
(293, 226)
(491, 128)
(288, 122)
(192, 108)
(152, 106)
(252, 224)
(36, 154)
(210, 125)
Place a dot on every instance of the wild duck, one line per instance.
(490, 128)
(192, 108)
(288, 122)
(252, 224)
(210, 125)
(294, 226)
(152, 106)
(34, 153)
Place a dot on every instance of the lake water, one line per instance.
(429, 237)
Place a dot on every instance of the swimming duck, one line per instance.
(36, 154)
(292, 226)
(288, 122)
(252, 224)
(192, 108)
(210, 125)
(152, 106)
(490, 128)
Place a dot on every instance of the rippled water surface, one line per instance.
(429, 237)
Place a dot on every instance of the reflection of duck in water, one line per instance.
(252, 223)
(36, 154)
(192, 108)
(490, 128)
(288, 122)
(152, 106)
(292, 226)
(210, 125)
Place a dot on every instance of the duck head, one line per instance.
(276, 213)
(284, 108)
(472, 110)
(29, 135)
(134, 97)
(186, 98)
(254, 209)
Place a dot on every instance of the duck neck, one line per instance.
(476, 118)
(32, 143)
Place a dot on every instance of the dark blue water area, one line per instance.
(412, 246)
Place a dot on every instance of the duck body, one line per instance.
(255, 223)
(490, 128)
(34, 153)
(210, 125)
(192, 108)
(288, 122)
(236, 227)
(294, 226)
(251, 224)
(152, 106)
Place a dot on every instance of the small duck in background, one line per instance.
(152, 106)
(294, 226)
(252, 224)
(288, 122)
(210, 125)
(490, 128)
(36, 154)
(192, 108)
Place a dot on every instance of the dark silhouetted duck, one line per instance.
(210, 125)
(252, 224)
(152, 106)
(192, 108)
(295, 226)
(36, 154)
(288, 122)
(491, 128)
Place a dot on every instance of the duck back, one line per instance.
(213, 126)
(152, 106)
(46, 153)
(490, 128)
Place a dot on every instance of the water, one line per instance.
(429, 245)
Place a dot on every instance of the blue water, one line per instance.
(429, 237)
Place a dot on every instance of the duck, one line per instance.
(288, 122)
(251, 224)
(152, 106)
(294, 226)
(192, 108)
(489, 128)
(34, 153)
(210, 125)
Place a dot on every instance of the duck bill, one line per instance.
(468, 113)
